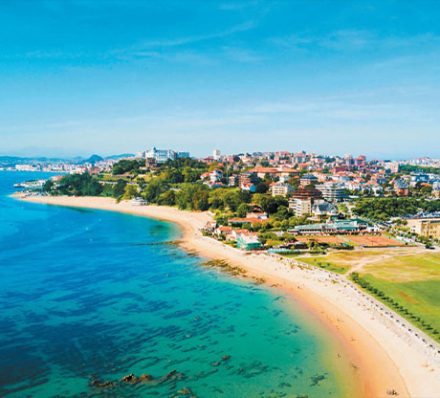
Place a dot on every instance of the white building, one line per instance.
(300, 207)
(281, 189)
(332, 192)
(216, 154)
(163, 155)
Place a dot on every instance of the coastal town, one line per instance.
(362, 233)
(220, 199)
(280, 201)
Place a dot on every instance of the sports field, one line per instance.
(346, 260)
(405, 279)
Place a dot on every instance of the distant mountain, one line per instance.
(116, 157)
(96, 158)
(92, 159)
(13, 160)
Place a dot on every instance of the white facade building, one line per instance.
(216, 154)
(163, 155)
(300, 207)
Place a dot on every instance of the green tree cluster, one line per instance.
(128, 166)
(79, 185)
(382, 209)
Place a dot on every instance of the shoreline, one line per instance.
(364, 335)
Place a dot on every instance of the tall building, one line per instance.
(436, 189)
(301, 207)
(281, 189)
(302, 200)
(216, 154)
(332, 192)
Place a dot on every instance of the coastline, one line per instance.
(379, 357)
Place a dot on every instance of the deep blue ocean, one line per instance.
(92, 295)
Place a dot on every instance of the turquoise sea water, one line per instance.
(91, 294)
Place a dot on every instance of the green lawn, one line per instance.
(323, 262)
(413, 284)
(407, 268)
(340, 261)
(420, 301)
(407, 283)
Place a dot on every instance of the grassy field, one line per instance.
(407, 282)
(325, 263)
(407, 268)
(342, 261)
(411, 286)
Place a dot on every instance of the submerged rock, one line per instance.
(102, 384)
(173, 375)
(184, 391)
(145, 377)
(131, 378)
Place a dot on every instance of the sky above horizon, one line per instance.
(82, 77)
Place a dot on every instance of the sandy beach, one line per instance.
(380, 349)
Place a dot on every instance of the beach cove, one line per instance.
(367, 339)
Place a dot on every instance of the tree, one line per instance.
(130, 191)
(79, 185)
(119, 188)
(243, 209)
(261, 187)
(282, 213)
(270, 204)
(172, 176)
(153, 189)
(48, 186)
(167, 198)
(382, 209)
(193, 197)
(127, 166)
(190, 174)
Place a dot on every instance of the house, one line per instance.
(427, 225)
(225, 231)
(212, 176)
(248, 241)
(138, 201)
(401, 188)
(419, 178)
(287, 172)
(248, 187)
(261, 215)
(244, 221)
(246, 182)
(262, 172)
(233, 180)
(307, 179)
(323, 209)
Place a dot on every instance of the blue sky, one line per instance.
(81, 77)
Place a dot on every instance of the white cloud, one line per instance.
(184, 40)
